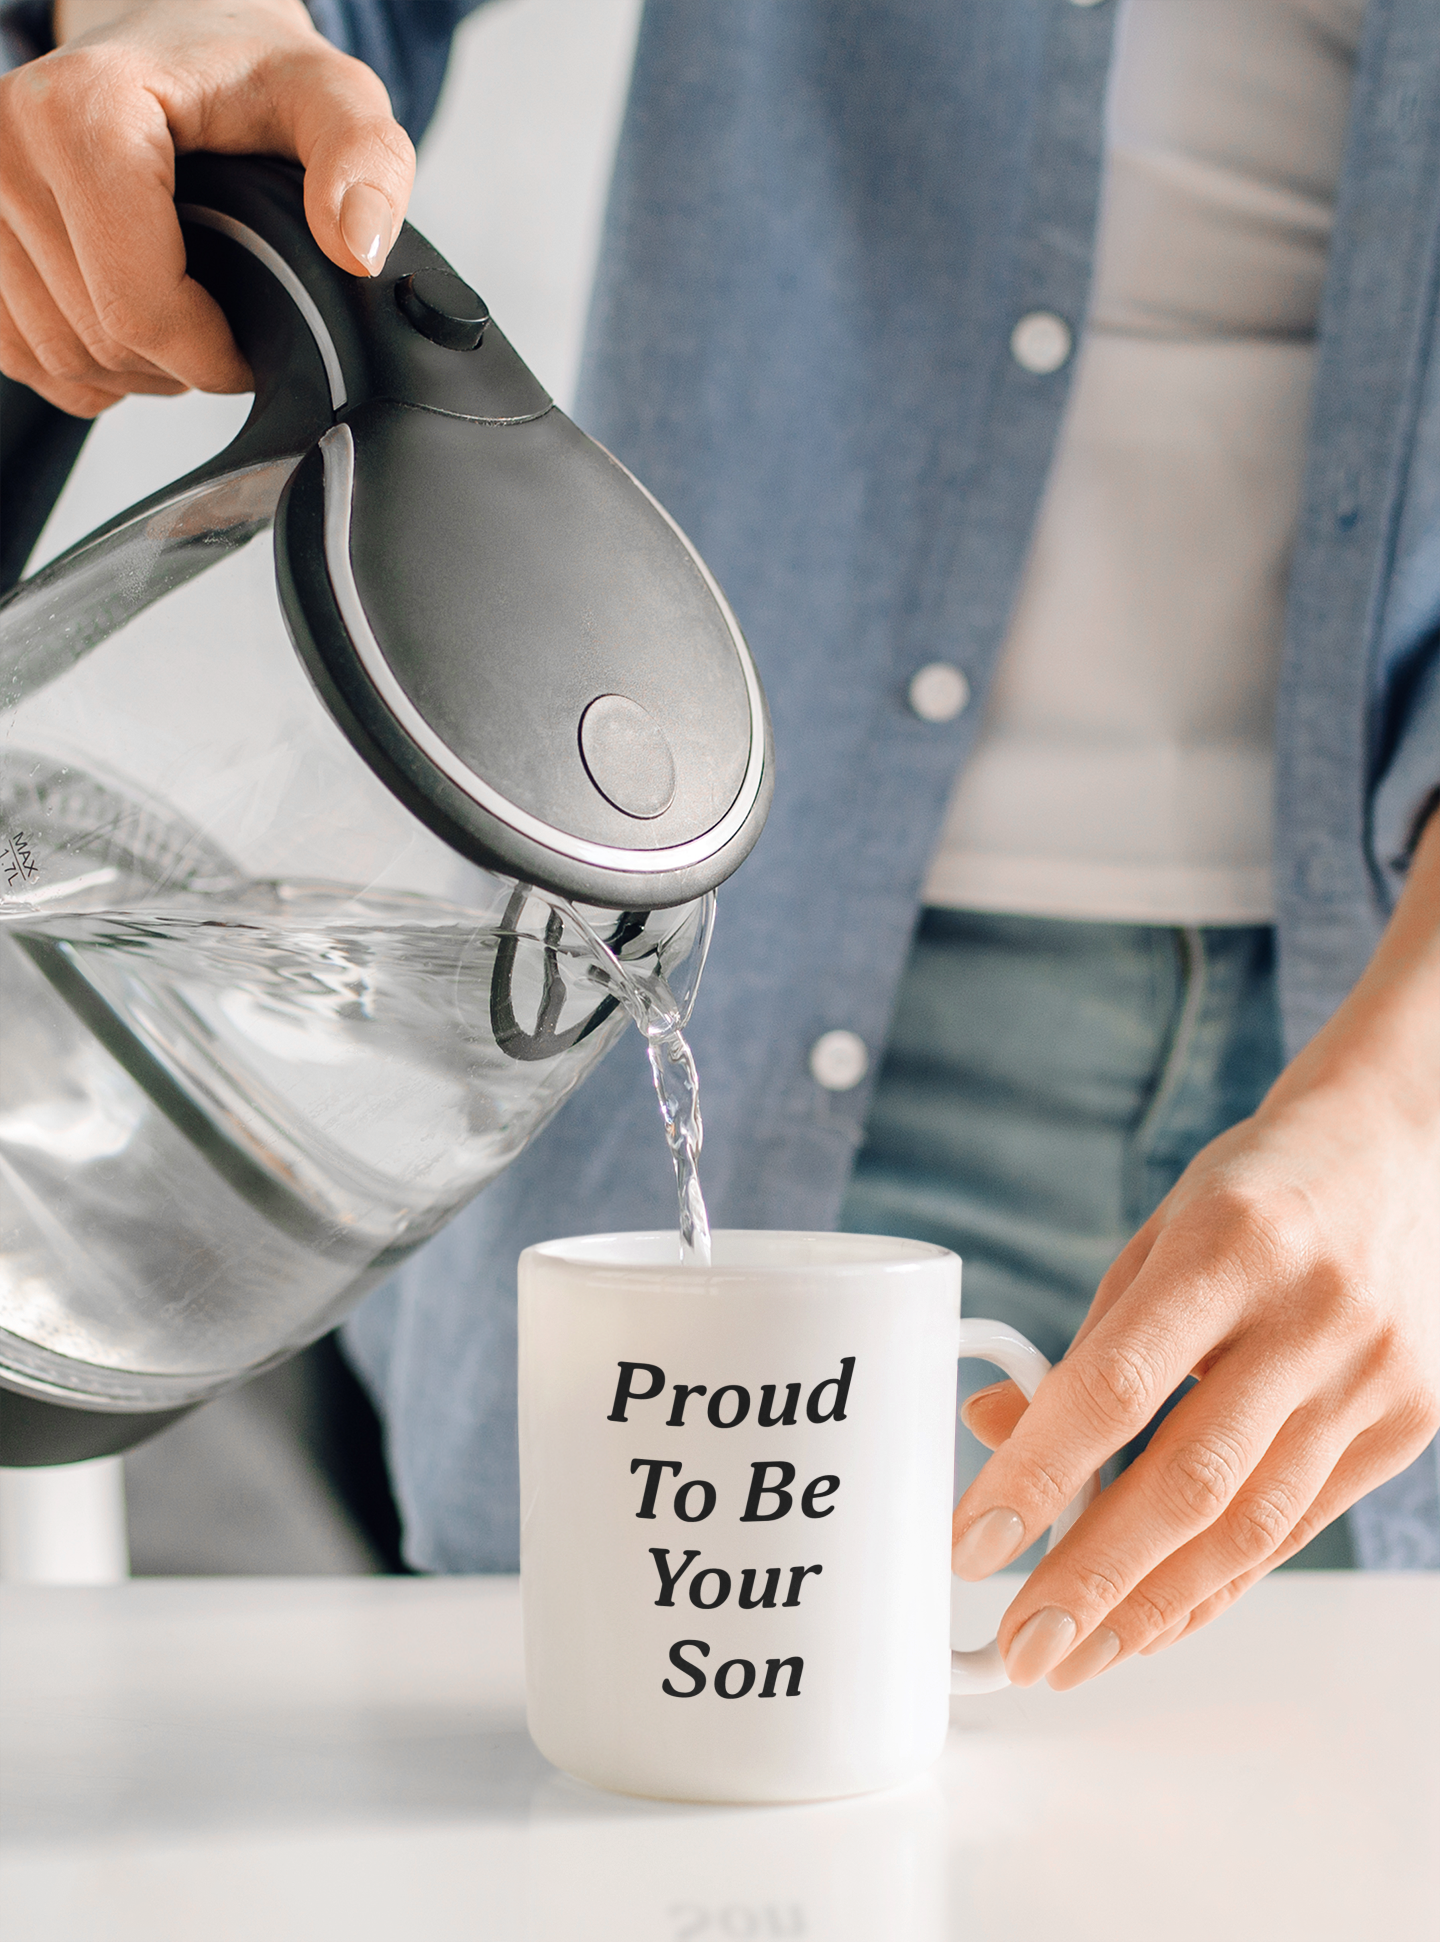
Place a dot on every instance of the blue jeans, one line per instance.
(1044, 1086)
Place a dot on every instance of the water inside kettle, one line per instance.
(228, 1105)
(213, 1124)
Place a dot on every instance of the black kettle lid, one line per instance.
(520, 642)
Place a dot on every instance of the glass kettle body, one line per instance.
(306, 767)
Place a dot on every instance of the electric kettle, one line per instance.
(334, 781)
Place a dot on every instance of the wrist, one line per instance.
(1381, 1049)
(72, 18)
(1374, 1066)
(75, 17)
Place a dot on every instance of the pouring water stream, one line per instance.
(662, 1018)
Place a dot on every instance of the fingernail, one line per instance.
(992, 1540)
(1092, 1655)
(1040, 1644)
(979, 1395)
(366, 220)
(989, 1390)
(1167, 1637)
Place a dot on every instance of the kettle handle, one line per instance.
(320, 342)
(39, 444)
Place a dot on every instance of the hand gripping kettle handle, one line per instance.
(983, 1670)
(511, 633)
(319, 341)
(323, 342)
(261, 204)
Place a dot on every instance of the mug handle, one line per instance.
(983, 1670)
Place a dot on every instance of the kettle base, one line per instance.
(34, 1432)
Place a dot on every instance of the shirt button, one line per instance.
(938, 692)
(1040, 342)
(839, 1060)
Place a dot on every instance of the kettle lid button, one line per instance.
(627, 756)
(443, 307)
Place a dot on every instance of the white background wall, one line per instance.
(515, 170)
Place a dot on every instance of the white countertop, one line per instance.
(342, 1760)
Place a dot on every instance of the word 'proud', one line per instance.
(730, 1404)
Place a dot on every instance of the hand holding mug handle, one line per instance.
(983, 1670)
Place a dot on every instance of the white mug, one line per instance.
(736, 1488)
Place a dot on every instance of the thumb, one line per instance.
(991, 1414)
(359, 164)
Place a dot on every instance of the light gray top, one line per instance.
(1126, 766)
